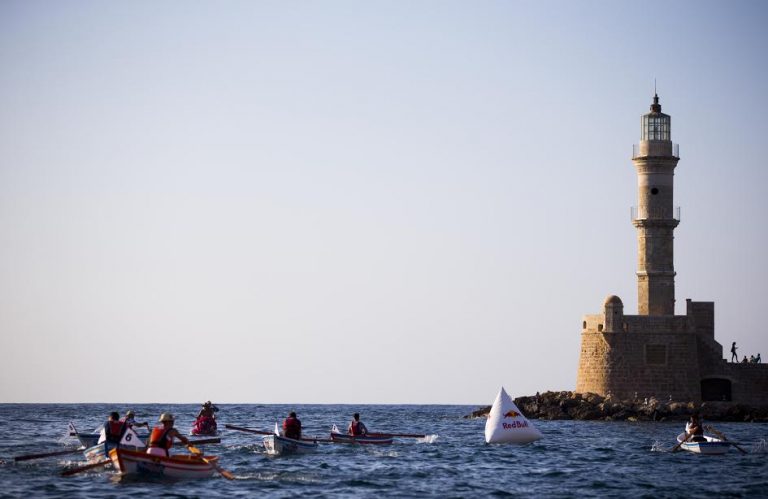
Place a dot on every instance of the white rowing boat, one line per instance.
(100, 451)
(277, 445)
(712, 446)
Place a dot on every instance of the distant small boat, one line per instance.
(712, 446)
(277, 445)
(343, 438)
(129, 462)
(506, 424)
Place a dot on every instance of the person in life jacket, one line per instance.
(205, 423)
(208, 410)
(130, 421)
(161, 438)
(292, 427)
(356, 427)
(114, 429)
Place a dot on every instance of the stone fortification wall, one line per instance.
(749, 382)
(638, 356)
(643, 364)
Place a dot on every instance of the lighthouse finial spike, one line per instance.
(655, 107)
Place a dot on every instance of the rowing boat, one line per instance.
(277, 445)
(99, 452)
(712, 446)
(88, 440)
(343, 438)
(129, 462)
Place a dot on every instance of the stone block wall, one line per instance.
(657, 364)
(663, 356)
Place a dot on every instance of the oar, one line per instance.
(259, 432)
(687, 437)
(205, 441)
(199, 454)
(86, 467)
(404, 435)
(719, 434)
(249, 430)
(316, 439)
(28, 457)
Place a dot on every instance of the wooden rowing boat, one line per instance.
(712, 446)
(99, 452)
(89, 439)
(277, 445)
(129, 462)
(343, 438)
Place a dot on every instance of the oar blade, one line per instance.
(29, 457)
(87, 467)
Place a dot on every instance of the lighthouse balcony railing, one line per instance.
(655, 149)
(656, 213)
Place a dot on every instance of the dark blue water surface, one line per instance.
(575, 458)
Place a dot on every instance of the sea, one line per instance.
(574, 459)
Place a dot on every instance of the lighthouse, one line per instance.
(655, 217)
(657, 353)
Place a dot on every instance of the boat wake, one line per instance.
(659, 447)
(428, 439)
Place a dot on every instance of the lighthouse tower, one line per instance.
(655, 218)
(657, 353)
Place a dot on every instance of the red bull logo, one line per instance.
(514, 424)
(512, 414)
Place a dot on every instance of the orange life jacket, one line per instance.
(159, 438)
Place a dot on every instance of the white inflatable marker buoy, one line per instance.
(506, 424)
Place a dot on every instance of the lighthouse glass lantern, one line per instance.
(655, 125)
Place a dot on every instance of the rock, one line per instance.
(591, 406)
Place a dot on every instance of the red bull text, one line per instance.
(514, 424)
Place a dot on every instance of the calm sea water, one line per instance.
(575, 459)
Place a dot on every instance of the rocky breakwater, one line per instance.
(590, 406)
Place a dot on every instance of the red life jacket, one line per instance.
(355, 427)
(292, 428)
(114, 431)
(159, 438)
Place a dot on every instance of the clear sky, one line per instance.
(359, 202)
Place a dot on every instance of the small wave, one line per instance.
(760, 447)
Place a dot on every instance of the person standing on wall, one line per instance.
(733, 353)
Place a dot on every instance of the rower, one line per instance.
(161, 438)
(356, 427)
(694, 428)
(292, 427)
(208, 410)
(114, 429)
(130, 420)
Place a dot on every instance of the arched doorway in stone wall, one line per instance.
(716, 389)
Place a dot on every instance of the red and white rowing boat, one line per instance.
(129, 462)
